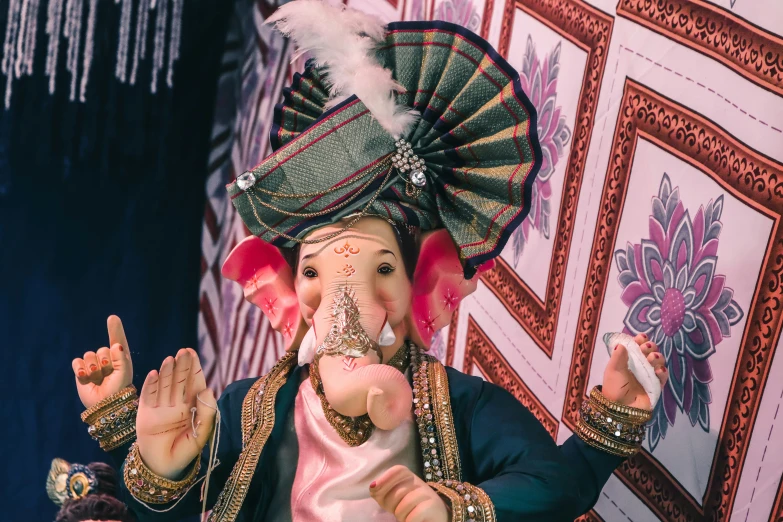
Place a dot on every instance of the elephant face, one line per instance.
(352, 298)
(358, 277)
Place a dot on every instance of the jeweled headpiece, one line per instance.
(423, 123)
(69, 481)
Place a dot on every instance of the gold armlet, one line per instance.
(146, 486)
(611, 426)
(468, 503)
(112, 421)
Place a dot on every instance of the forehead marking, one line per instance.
(347, 249)
(343, 238)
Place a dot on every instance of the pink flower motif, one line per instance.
(675, 296)
(539, 81)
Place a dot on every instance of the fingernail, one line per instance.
(616, 347)
(372, 485)
(93, 367)
(643, 335)
(122, 349)
(105, 362)
(648, 345)
(81, 373)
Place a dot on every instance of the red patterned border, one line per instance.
(590, 30)
(751, 51)
(590, 516)
(481, 352)
(758, 182)
(486, 19)
(776, 515)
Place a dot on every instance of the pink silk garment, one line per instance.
(333, 479)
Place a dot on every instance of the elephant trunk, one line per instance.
(377, 389)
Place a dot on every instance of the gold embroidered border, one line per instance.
(230, 500)
(487, 507)
(455, 500)
(250, 408)
(468, 502)
(441, 411)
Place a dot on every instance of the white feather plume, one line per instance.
(342, 41)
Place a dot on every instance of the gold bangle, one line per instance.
(611, 426)
(119, 438)
(149, 487)
(636, 415)
(615, 427)
(91, 414)
(599, 441)
(468, 502)
(112, 421)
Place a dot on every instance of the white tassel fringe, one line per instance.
(64, 19)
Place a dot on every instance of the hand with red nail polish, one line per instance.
(619, 383)
(107, 371)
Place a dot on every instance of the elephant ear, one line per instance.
(268, 282)
(439, 285)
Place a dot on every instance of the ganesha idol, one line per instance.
(403, 158)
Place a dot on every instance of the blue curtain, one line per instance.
(100, 213)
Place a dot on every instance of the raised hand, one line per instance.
(165, 423)
(107, 371)
(621, 386)
(400, 492)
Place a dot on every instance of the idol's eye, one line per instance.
(385, 269)
(309, 273)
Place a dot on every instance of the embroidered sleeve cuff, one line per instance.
(611, 426)
(468, 503)
(146, 486)
(112, 421)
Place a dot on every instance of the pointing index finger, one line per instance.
(116, 332)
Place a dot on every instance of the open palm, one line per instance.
(176, 415)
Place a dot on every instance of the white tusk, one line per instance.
(307, 348)
(638, 364)
(387, 337)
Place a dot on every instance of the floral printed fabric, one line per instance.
(675, 296)
(539, 81)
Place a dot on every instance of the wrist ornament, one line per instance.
(112, 421)
(147, 486)
(468, 503)
(610, 426)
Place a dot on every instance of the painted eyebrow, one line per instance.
(308, 256)
(385, 251)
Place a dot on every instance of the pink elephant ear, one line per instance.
(439, 285)
(268, 283)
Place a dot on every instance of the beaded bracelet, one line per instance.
(112, 421)
(147, 486)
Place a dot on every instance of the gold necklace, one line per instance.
(355, 431)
